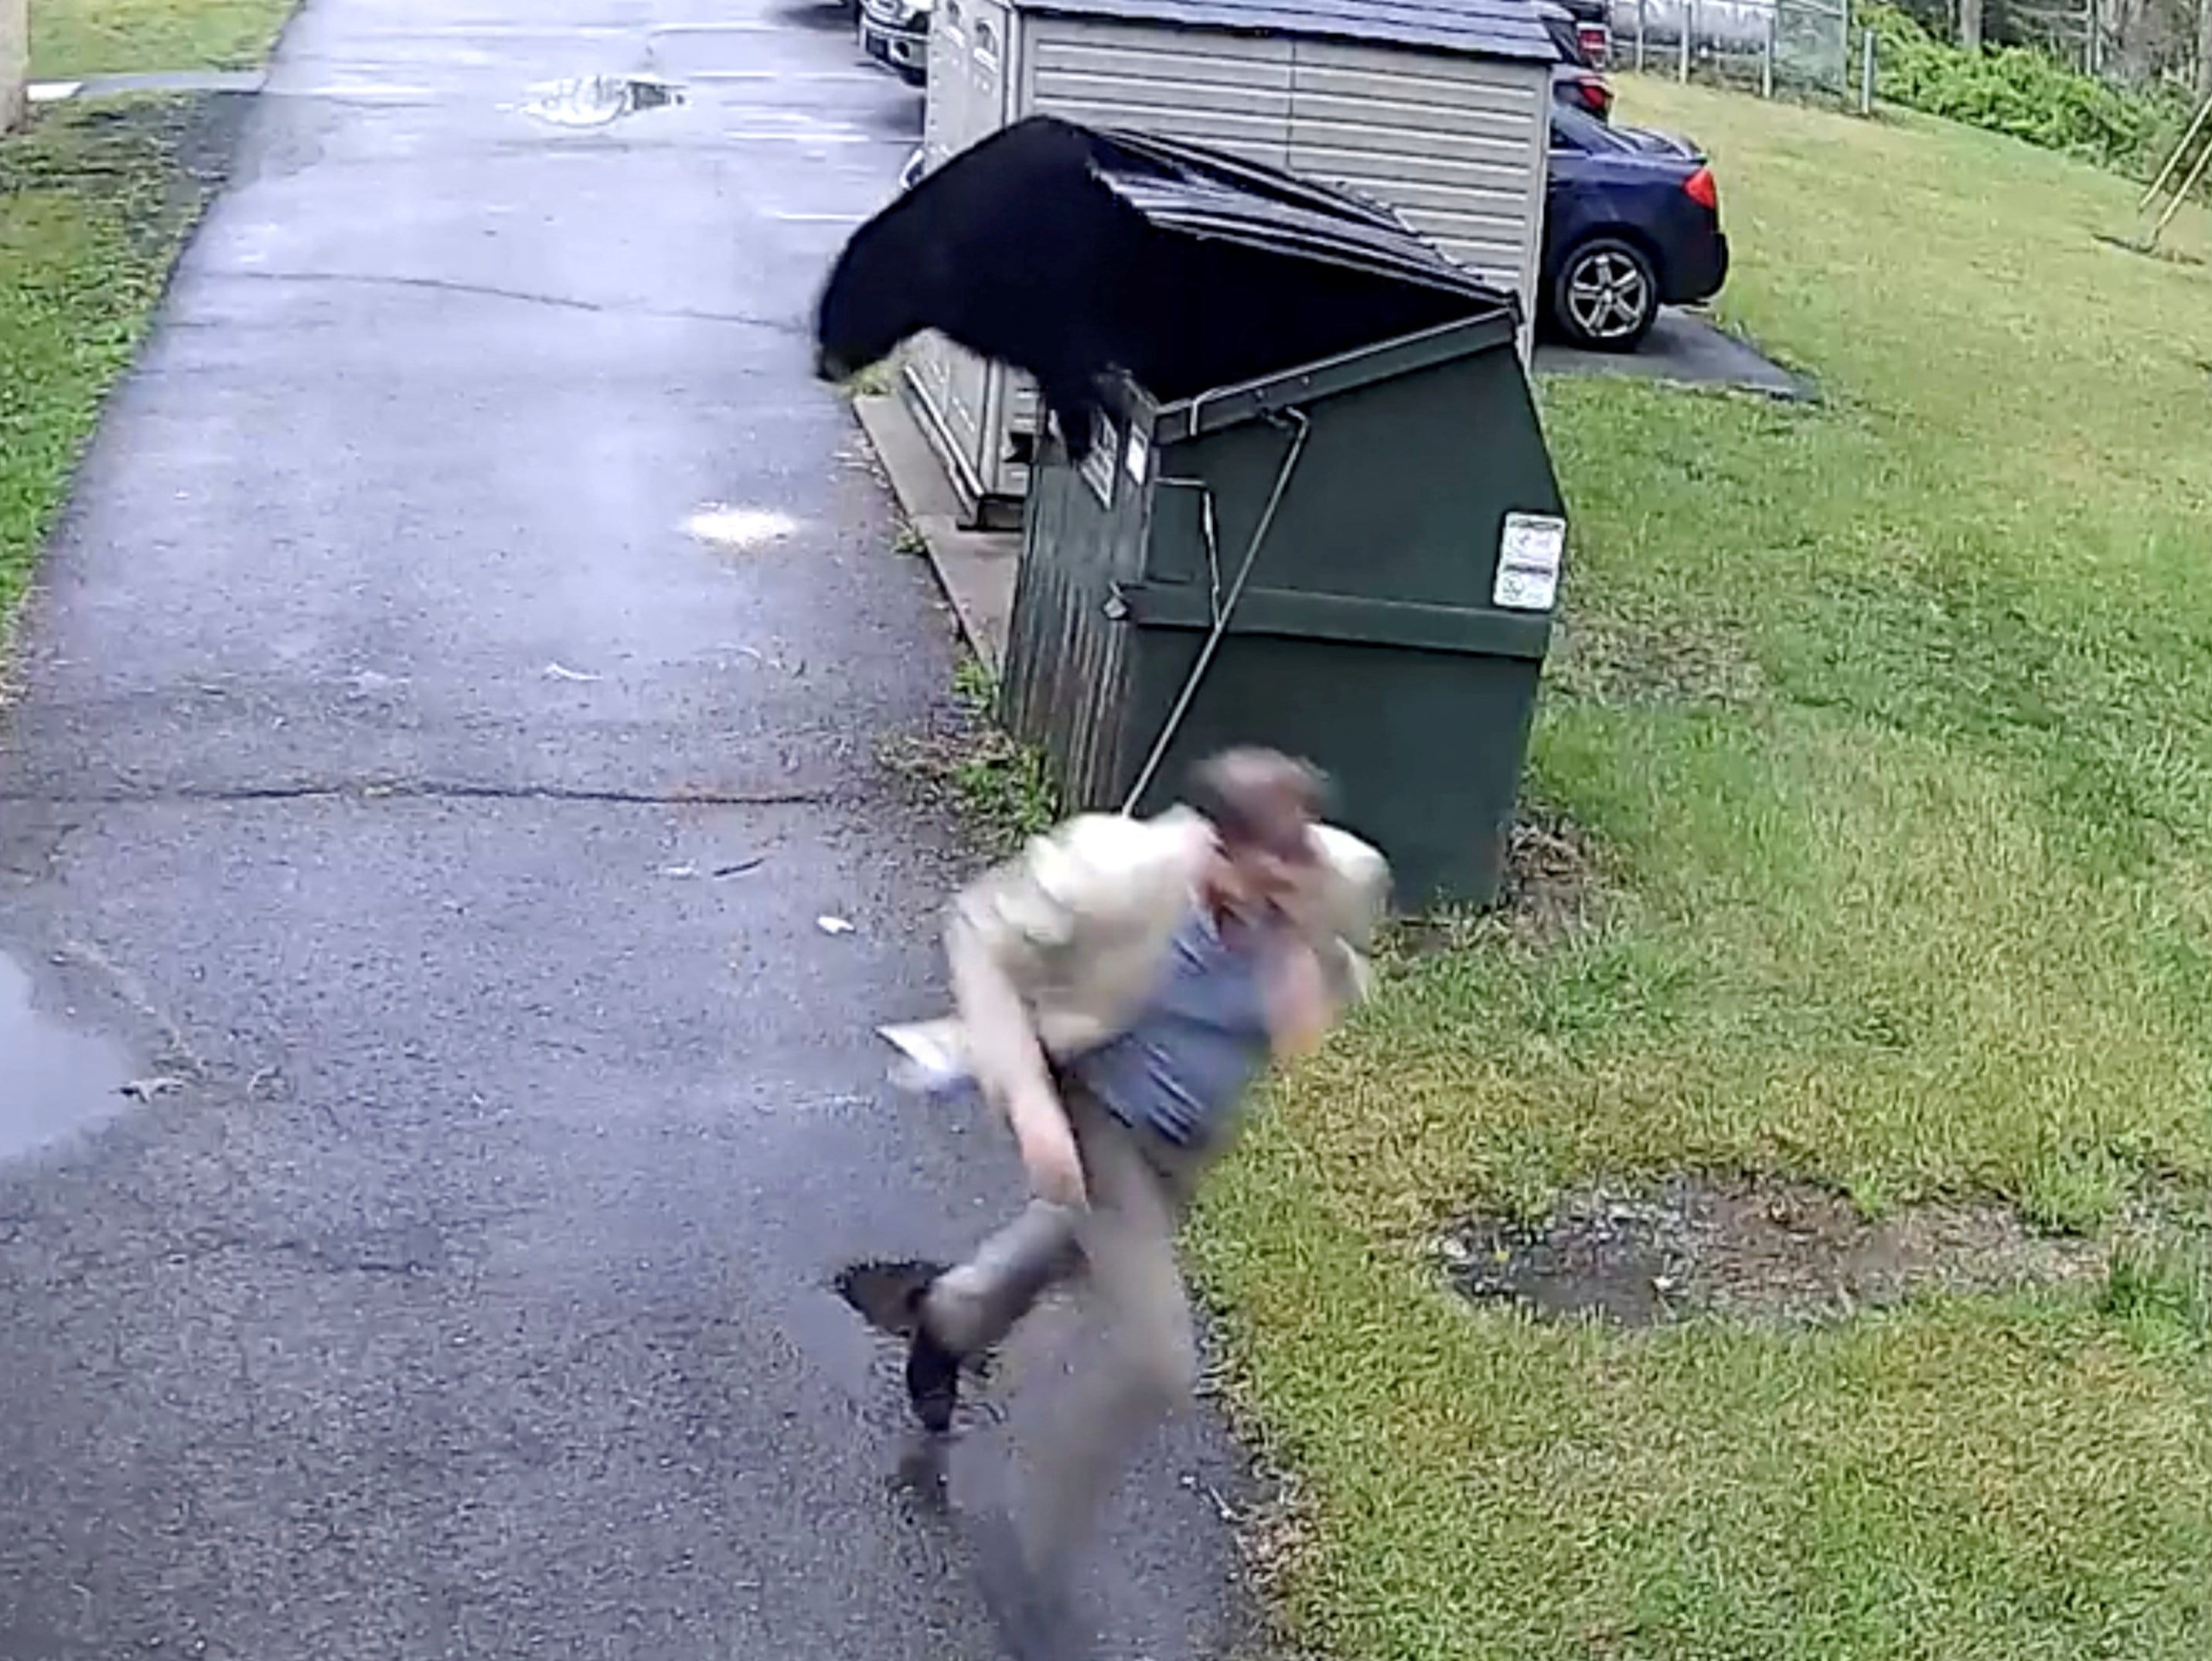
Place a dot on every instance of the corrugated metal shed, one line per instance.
(1494, 28)
(1439, 109)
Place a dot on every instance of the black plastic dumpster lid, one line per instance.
(1205, 193)
(1072, 252)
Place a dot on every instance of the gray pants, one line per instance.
(1146, 1366)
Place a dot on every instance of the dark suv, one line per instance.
(1576, 79)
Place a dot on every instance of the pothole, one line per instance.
(598, 101)
(1747, 1248)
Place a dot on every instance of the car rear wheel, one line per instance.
(1606, 296)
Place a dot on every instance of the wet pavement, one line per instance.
(432, 1116)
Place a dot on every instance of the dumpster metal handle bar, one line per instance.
(1212, 534)
(1174, 722)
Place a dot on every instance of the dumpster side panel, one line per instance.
(1067, 682)
(1391, 524)
(1426, 747)
(1401, 492)
(1029, 700)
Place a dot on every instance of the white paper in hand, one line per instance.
(932, 1059)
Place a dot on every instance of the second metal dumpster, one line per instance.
(1356, 560)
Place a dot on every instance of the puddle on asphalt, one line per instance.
(598, 101)
(54, 1081)
(739, 528)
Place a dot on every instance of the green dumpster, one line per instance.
(1356, 560)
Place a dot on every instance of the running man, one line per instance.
(1119, 987)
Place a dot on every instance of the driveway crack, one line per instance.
(521, 296)
(378, 791)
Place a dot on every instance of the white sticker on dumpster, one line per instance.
(1138, 453)
(1529, 553)
(1098, 465)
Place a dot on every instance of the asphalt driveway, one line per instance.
(433, 1111)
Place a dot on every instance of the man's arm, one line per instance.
(1007, 931)
(1009, 1061)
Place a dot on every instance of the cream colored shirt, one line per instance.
(1082, 920)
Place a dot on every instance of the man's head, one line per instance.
(1262, 806)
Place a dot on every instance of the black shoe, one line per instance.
(932, 1377)
(889, 1297)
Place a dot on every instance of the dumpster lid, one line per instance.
(1184, 188)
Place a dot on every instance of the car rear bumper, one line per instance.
(1699, 270)
(900, 48)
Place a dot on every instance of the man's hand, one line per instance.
(1010, 1062)
(1303, 905)
(1301, 1010)
(1049, 1151)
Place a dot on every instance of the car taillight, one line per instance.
(1700, 189)
(1596, 96)
(1594, 40)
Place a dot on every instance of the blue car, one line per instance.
(1631, 222)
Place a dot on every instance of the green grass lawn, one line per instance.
(95, 202)
(70, 39)
(1891, 720)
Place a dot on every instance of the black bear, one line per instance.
(1071, 253)
(1007, 250)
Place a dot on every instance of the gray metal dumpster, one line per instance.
(1356, 560)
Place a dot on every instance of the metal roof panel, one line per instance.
(1483, 28)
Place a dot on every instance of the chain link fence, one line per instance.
(2067, 29)
(1796, 45)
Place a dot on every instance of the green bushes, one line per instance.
(2014, 90)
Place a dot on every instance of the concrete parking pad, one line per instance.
(1687, 349)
